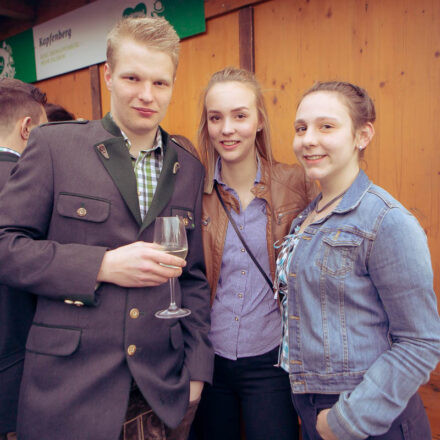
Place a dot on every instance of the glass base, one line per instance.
(172, 313)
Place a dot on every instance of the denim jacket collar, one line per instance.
(350, 201)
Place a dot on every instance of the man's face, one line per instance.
(141, 83)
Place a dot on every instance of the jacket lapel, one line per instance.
(165, 185)
(115, 157)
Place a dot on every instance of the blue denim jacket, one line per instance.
(363, 318)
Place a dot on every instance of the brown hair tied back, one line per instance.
(357, 100)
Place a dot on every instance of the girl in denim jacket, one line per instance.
(361, 327)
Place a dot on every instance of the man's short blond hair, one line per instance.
(156, 33)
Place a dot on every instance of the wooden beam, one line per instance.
(213, 8)
(95, 90)
(17, 10)
(246, 38)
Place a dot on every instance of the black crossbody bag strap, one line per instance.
(234, 225)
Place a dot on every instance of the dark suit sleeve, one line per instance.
(29, 260)
(199, 355)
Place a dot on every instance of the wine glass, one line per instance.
(170, 233)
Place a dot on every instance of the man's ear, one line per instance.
(26, 125)
(108, 76)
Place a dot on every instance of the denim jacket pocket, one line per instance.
(338, 252)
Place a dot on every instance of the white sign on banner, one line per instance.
(78, 39)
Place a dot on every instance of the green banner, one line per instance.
(17, 57)
(187, 16)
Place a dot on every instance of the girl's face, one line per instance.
(232, 121)
(324, 142)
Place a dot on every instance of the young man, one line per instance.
(22, 109)
(97, 358)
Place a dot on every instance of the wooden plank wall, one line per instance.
(392, 48)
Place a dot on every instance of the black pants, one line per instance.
(254, 388)
(412, 424)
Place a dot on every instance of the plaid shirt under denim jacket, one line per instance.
(362, 313)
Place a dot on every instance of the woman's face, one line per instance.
(324, 143)
(232, 121)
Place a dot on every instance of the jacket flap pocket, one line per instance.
(55, 341)
(81, 207)
(186, 215)
(176, 336)
(342, 238)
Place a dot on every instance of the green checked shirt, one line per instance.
(147, 167)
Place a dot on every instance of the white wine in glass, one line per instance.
(170, 233)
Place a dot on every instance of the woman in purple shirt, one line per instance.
(262, 197)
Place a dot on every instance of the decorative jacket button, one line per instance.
(81, 211)
(78, 303)
(131, 350)
(134, 313)
(68, 301)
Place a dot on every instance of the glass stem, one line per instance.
(173, 305)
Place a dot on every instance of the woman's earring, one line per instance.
(361, 147)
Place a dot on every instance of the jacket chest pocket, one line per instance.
(338, 252)
(81, 207)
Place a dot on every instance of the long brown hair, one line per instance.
(262, 139)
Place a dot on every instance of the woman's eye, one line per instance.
(241, 116)
(214, 118)
(300, 129)
(327, 126)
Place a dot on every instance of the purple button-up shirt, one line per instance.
(245, 319)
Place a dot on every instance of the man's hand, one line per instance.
(139, 264)
(322, 426)
(195, 390)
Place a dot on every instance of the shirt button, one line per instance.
(134, 313)
(241, 227)
(294, 317)
(243, 272)
(236, 318)
(243, 250)
(240, 295)
(293, 362)
(131, 350)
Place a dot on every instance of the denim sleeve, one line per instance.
(400, 268)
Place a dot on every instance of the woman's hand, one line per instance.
(322, 426)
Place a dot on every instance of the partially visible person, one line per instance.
(262, 197)
(22, 109)
(361, 327)
(56, 113)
